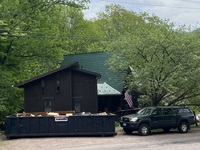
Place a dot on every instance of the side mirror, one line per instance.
(154, 113)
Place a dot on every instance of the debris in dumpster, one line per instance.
(90, 114)
(39, 114)
(58, 113)
(52, 114)
(103, 113)
(83, 114)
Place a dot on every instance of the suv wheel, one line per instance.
(128, 131)
(144, 130)
(183, 127)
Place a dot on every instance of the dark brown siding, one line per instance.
(85, 89)
(63, 98)
(73, 85)
(34, 97)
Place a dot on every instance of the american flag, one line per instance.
(128, 98)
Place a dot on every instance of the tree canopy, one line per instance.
(164, 60)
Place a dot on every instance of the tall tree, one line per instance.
(113, 23)
(77, 32)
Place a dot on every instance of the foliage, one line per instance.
(79, 33)
(165, 60)
(143, 101)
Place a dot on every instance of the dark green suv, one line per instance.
(166, 117)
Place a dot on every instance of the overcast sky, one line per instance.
(179, 12)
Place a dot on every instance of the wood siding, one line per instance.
(85, 90)
(73, 85)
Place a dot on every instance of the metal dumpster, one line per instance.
(60, 126)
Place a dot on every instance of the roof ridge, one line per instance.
(86, 53)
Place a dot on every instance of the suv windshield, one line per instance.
(145, 111)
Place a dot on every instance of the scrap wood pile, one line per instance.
(57, 113)
(39, 114)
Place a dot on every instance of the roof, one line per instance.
(105, 89)
(74, 66)
(97, 62)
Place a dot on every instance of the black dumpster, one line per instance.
(60, 126)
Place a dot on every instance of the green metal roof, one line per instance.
(97, 62)
(105, 89)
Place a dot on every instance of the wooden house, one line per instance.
(111, 84)
(64, 89)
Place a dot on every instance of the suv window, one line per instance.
(183, 110)
(157, 111)
(145, 111)
(168, 111)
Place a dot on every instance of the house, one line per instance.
(111, 84)
(64, 89)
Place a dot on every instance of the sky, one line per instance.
(180, 12)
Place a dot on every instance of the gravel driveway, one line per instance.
(155, 141)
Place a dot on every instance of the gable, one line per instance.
(69, 66)
(97, 62)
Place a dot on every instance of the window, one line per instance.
(183, 110)
(42, 86)
(58, 83)
(168, 111)
(157, 111)
(145, 111)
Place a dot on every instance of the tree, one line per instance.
(31, 43)
(115, 22)
(78, 33)
(165, 60)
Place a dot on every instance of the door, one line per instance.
(48, 104)
(156, 118)
(77, 104)
(169, 117)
